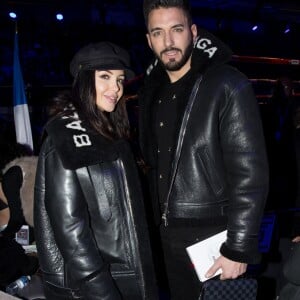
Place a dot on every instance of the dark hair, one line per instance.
(281, 96)
(10, 151)
(112, 125)
(150, 5)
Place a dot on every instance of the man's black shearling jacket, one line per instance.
(220, 166)
(89, 217)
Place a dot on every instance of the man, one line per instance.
(201, 137)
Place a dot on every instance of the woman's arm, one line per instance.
(69, 218)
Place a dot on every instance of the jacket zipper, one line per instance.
(179, 146)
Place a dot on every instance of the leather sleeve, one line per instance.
(69, 219)
(246, 171)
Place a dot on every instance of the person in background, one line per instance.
(201, 136)
(297, 151)
(18, 166)
(18, 179)
(89, 215)
(291, 271)
(280, 140)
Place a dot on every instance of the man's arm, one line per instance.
(246, 166)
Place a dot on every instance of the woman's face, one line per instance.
(109, 88)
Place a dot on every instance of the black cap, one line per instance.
(101, 56)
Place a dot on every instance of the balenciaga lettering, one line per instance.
(80, 140)
(204, 44)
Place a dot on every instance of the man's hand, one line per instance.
(230, 269)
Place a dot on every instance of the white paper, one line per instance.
(204, 253)
(22, 236)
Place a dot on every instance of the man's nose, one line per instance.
(169, 39)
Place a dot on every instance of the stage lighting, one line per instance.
(287, 29)
(254, 27)
(59, 17)
(13, 15)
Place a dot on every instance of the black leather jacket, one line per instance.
(220, 166)
(89, 217)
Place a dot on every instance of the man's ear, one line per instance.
(149, 41)
(194, 32)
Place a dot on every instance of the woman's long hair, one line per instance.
(113, 125)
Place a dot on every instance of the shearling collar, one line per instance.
(77, 144)
(209, 51)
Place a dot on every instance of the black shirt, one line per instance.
(170, 103)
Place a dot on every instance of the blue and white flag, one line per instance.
(21, 113)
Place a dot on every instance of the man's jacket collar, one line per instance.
(209, 51)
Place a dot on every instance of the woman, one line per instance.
(89, 216)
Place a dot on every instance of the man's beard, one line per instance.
(173, 65)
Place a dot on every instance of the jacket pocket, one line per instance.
(55, 291)
(211, 172)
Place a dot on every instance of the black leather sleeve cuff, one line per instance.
(249, 256)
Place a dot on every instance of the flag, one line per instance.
(21, 113)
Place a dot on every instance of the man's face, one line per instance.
(171, 38)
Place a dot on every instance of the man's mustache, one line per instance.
(169, 49)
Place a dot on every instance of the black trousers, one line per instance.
(182, 280)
